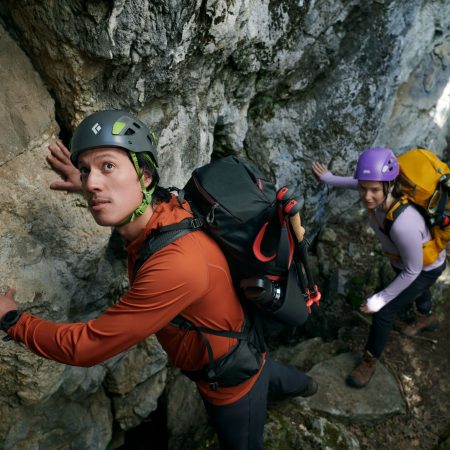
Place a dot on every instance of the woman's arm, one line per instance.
(325, 176)
(407, 235)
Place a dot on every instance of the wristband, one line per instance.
(9, 319)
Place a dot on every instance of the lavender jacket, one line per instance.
(408, 233)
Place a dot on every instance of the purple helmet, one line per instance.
(377, 164)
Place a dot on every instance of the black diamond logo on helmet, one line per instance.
(96, 128)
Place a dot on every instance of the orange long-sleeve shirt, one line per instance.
(188, 277)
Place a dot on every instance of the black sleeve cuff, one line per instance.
(9, 319)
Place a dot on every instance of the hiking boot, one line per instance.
(423, 322)
(310, 389)
(363, 372)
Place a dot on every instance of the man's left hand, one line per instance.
(7, 302)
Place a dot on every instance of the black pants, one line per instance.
(382, 321)
(240, 425)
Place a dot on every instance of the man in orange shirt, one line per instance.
(117, 162)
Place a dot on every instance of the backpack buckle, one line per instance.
(314, 297)
(211, 375)
(181, 323)
(196, 223)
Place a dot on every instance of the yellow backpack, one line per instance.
(424, 180)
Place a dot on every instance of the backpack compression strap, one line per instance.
(209, 372)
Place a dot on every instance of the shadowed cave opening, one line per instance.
(151, 433)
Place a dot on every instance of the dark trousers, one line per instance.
(240, 425)
(382, 321)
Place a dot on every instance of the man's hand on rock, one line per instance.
(59, 160)
(7, 302)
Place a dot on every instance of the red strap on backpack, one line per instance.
(314, 297)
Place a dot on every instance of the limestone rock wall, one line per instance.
(281, 82)
(57, 258)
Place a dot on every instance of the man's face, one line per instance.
(110, 184)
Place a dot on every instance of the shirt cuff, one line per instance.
(326, 177)
(375, 302)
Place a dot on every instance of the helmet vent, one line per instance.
(129, 132)
(136, 125)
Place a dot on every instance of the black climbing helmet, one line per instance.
(112, 129)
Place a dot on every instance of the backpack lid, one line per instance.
(420, 171)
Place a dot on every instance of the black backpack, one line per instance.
(254, 224)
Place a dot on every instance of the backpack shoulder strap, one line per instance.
(162, 237)
(392, 213)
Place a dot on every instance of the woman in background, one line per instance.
(376, 171)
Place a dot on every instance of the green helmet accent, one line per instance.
(112, 129)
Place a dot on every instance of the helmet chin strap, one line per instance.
(147, 194)
(388, 196)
